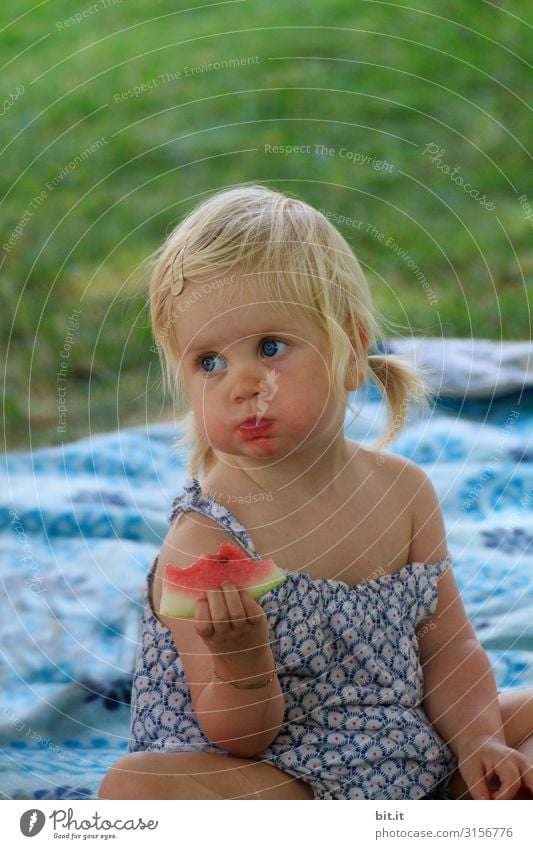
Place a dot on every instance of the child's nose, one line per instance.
(248, 381)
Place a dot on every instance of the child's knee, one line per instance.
(125, 780)
(517, 715)
(153, 775)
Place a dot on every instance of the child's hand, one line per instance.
(233, 626)
(492, 770)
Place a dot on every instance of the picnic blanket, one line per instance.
(80, 524)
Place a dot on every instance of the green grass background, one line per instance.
(376, 78)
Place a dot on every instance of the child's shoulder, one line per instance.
(410, 487)
(389, 465)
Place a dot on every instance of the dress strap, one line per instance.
(192, 494)
(192, 499)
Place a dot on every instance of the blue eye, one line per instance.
(269, 347)
(269, 344)
(208, 357)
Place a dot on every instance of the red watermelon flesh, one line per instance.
(183, 587)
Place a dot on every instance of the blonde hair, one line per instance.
(295, 255)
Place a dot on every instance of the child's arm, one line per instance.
(234, 628)
(460, 696)
(461, 700)
(229, 634)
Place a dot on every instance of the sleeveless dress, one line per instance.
(354, 726)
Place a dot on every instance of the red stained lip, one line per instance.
(249, 425)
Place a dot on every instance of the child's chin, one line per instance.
(261, 446)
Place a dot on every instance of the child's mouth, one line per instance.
(251, 428)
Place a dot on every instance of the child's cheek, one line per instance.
(217, 430)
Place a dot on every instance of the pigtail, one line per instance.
(400, 384)
(202, 457)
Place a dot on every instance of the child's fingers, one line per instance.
(252, 610)
(234, 605)
(474, 777)
(527, 778)
(219, 611)
(511, 780)
(224, 610)
(202, 619)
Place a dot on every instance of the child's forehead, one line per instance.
(206, 314)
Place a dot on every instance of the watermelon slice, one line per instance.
(183, 587)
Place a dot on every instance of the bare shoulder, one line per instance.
(416, 492)
(428, 533)
(390, 466)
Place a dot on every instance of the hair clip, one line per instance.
(176, 288)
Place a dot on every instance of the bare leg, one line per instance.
(517, 713)
(198, 775)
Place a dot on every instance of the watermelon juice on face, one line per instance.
(253, 432)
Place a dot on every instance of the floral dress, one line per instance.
(348, 661)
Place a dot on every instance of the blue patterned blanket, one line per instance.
(80, 523)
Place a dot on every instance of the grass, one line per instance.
(363, 79)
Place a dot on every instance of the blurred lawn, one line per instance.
(94, 176)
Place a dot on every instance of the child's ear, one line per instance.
(356, 370)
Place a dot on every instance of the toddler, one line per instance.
(358, 677)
